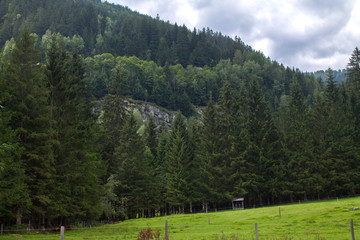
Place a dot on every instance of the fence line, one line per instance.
(258, 230)
(336, 224)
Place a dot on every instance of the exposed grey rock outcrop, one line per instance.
(160, 115)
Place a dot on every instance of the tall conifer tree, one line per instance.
(77, 195)
(26, 101)
(133, 171)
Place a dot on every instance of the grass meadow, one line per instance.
(307, 220)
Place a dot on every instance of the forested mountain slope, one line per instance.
(117, 30)
(267, 132)
(190, 64)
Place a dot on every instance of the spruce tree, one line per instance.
(151, 137)
(77, 195)
(353, 74)
(226, 125)
(319, 137)
(297, 144)
(113, 119)
(353, 69)
(26, 101)
(161, 153)
(133, 171)
(178, 163)
(263, 153)
(14, 190)
(209, 156)
(155, 168)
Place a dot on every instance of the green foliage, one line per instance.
(267, 133)
(353, 70)
(26, 119)
(133, 172)
(73, 128)
(178, 164)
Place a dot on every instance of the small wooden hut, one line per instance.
(238, 203)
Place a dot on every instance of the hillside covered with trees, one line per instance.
(264, 131)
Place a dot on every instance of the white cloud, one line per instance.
(308, 34)
(264, 45)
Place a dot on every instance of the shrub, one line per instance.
(146, 234)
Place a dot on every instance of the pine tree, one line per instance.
(161, 162)
(263, 154)
(353, 74)
(195, 189)
(155, 166)
(178, 163)
(240, 143)
(133, 171)
(151, 137)
(26, 102)
(353, 69)
(331, 88)
(77, 195)
(297, 144)
(14, 190)
(226, 130)
(113, 119)
(319, 137)
(208, 155)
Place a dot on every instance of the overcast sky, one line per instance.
(308, 34)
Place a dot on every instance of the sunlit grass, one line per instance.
(314, 220)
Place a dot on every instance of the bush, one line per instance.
(146, 234)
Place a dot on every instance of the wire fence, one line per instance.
(334, 230)
(273, 231)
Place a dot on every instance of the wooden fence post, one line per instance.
(352, 229)
(29, 227)
(166, 230)
(62, 233)
(256, 231)
(279, 212)
(208, 219)
(2, 229)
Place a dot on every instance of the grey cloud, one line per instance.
(326, 7)
(201, 4)
(317, 43)
(223, 17)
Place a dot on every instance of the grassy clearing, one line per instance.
(315, 220)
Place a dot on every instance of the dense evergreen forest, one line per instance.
(245, 125)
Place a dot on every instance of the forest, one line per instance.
(245, 125)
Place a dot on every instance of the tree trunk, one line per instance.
(43, 222)
(191, 207)
(18, 216)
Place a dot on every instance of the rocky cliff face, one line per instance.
(160, 115)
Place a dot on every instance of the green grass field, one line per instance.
(314, 220)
